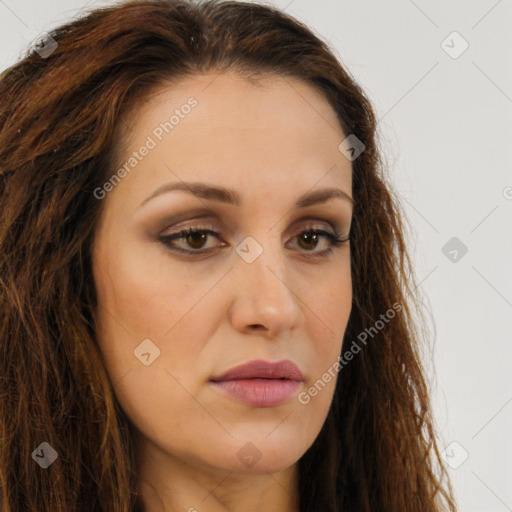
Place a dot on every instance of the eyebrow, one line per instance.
(229, 196)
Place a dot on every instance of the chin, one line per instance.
(260, 457)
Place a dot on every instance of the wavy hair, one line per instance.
(59, 116)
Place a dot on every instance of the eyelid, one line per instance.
(310, 223)
(195, 227)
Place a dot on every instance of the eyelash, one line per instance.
(335, 239)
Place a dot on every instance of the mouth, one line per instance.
(260, 383)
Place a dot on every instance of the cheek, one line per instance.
(327, 320)
(157, 402)
(145, 292)
(140, 301)
(328, 302)
(143, 295)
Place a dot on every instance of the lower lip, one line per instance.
(259, 392)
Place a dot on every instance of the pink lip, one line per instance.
(260, 369)
(259, 392)
(260, 383)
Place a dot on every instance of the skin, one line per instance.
(206, 314)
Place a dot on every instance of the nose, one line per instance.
(264, 298)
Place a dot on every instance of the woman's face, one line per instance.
(259, 288)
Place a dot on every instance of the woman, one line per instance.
(206, 298)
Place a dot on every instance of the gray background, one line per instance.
(446, 129)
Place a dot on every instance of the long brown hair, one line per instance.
(59, 114)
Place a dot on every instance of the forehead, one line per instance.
(223, 129)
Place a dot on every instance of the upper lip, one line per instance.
(284, 369)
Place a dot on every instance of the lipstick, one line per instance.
(260, 383)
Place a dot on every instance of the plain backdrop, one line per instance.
(439, 75)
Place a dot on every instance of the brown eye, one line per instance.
(196, 239)
(192, 240)
(308, 240)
